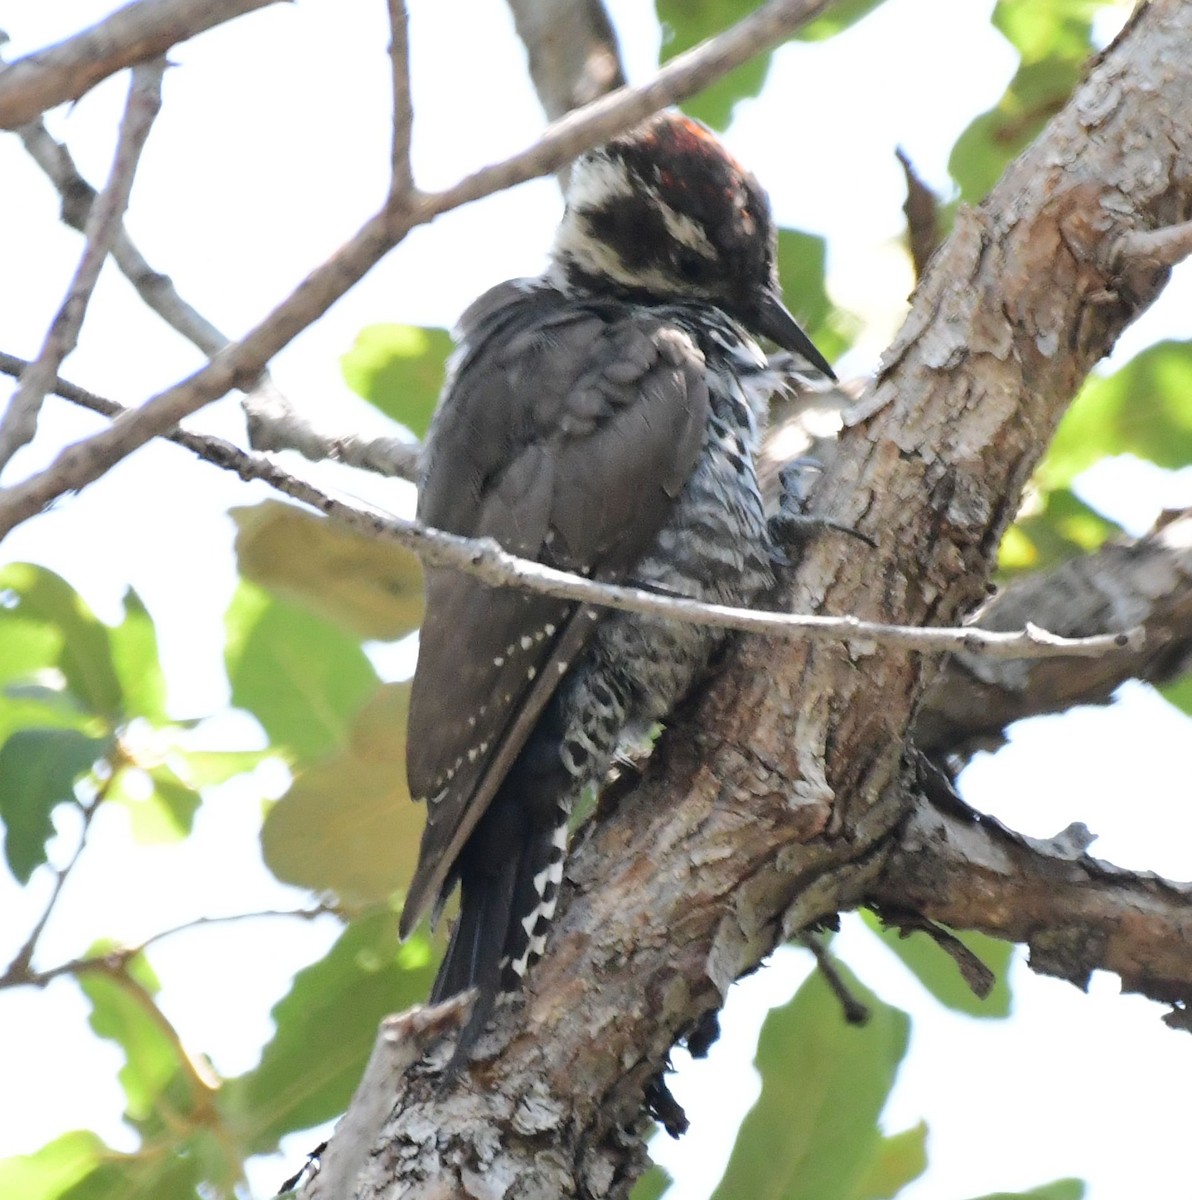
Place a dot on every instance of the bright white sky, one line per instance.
(271, 148)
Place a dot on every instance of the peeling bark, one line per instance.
(1076, 913)
(781, 794)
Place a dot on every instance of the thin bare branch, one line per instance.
(401, 183)
(19, 969)
(494, 566)
(239, 364)
(132, 34)
(19, 423)
(682, 76)
(20, 972)
(154, 288)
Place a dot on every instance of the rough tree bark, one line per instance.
(785, 792)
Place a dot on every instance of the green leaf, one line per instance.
(325, 1029)
(899, 1160)
(348, 825)
(38, 769)
(802, 261)
(399, 369)
(1053, 527)
(1046, 29)
(369, 587)
(1179, 693)
(206, 768)
(53, 1170)
(28, 646)
(172, 1173)
(298, 675)
(937, 971)
(134, 655)
(1054, 41)
(160, 806)
(651, 1185)
(35, 706)
(686, 23)
(838, 18)
(1061, 1189)
(37, 595)
(123, 1010)
(813, 1132)
(1140, 409)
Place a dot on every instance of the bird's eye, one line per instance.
(692, 266)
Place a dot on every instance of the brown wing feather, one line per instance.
(566, 438)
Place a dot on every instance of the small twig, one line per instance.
(18, 971)
(115, 961)
(922, 216)
(1164, 247)
(486, 560)
(19, 423)
(402, 177)
(979, 978)
(855, 1013)
(274, 424)
(240, 363)
(132, 34)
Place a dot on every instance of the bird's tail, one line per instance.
(507, 900)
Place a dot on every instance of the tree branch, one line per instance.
(572, 52)
(401, 174)
(132, 34)
(19, 423)
(239, 363)
(1076, 913)
(1145, 584)
(486, 560)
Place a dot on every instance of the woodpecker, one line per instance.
(604, 419)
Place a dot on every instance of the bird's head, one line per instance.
(664, 213)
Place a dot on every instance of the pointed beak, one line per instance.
(779, 326)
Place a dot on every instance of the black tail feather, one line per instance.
(503, 916)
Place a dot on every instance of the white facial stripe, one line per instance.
(595, 181)
(684, 230)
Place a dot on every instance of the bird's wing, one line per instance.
(566, 436)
